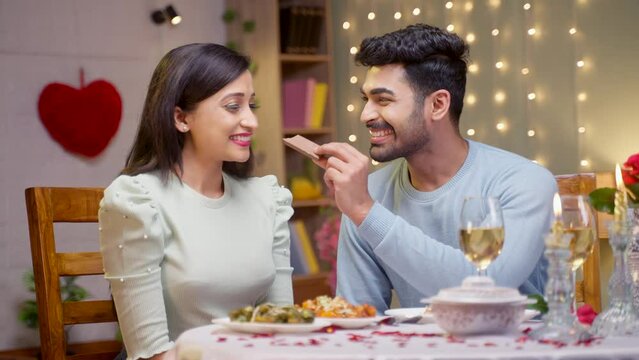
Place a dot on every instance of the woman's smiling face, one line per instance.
(221, 126)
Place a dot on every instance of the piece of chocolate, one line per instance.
(303, 145)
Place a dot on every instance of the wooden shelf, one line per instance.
(308, 131)
(313, 203)
(304, 58)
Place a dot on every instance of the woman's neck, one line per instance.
(202, 175)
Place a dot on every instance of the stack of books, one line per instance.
(303, 103)
(300, 29)
(303, 257)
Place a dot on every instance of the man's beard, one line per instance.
(414, 138)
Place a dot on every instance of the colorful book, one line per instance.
(307, 246)
(316, 30)
(297, 101)
(310, 97)
(298, 262)
(293, 40)
(319, 105)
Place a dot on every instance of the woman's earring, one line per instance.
(185, 128)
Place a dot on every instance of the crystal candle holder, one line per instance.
(560, 324)
(620, 319)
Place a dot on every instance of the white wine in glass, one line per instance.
(581, 245)
(482, 231)
(578, 220)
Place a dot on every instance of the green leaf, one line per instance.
(229, 15)
(248, 26)
(634, 188)
(118, 334)
(75, 293)
(253, 67)
(28, 280)
(603, 200)
(540, 305)
(231, 45)
(28, 313)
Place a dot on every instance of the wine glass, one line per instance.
(578, 220)
(482, 231)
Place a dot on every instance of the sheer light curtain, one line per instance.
(554, 81)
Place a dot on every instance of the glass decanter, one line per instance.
(560, 324)
(620, 319)
(632, 256)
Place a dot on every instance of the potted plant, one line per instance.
(69, 290)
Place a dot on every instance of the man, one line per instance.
(400, 225)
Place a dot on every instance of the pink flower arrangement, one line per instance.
(326, 238)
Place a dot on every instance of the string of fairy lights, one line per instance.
(360, 19)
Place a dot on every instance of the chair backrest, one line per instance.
(310, 286)
(588, 290)
(46, 206)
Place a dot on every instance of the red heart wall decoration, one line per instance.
(82, 120)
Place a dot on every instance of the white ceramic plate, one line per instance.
(353, 323)
(269, 328)
(529, 314)
(401, 314)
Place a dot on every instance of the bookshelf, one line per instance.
(274, 68)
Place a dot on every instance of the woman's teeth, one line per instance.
(241, 138)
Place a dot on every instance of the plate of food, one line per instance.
(417, 315)
(340, 312)
(269, 318)
(271, 328)
(353, 323)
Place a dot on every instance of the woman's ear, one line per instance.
(440, 103)
(179, 117)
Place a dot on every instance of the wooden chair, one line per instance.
(310, 286)
(46, 206)
(588, 290)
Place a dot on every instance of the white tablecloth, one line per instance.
(387, 342)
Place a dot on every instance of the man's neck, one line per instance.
(437, 163)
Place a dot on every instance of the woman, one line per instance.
(185, 233)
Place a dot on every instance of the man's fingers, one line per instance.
(321, 162)
(336, 163)
(341, 150)
(333, 176)
(329, 184)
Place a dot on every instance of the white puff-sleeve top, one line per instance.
(175, 259)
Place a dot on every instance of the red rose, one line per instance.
(586, 314)
(628, 179)
(631, 169)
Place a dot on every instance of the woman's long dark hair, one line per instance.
(184, 77)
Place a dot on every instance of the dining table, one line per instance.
(387, 341)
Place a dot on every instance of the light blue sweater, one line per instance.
(410, 239)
